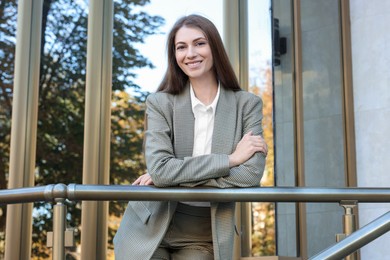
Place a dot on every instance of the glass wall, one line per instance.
(60, 134)
(260, 83)
(132, 83)
(8, 14)
(309, 112)
(133, 26)
(323, 116)
(285, 175)
(138, 57)
(139, 63)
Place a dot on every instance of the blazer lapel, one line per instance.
(224, 123)
(183, 124)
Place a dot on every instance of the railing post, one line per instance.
(349, 222)
(59, 214)
(59, 231)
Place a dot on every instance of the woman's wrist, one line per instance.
(232, 161)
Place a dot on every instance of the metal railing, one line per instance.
(58, 193)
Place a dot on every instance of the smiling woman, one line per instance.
(154, 47)
(259, 45)
(202, 130)
(183, 46)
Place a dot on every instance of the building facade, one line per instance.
(331, 95)
(331, 90)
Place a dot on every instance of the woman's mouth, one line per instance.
(193, 65)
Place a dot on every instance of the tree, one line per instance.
(59, 155)
(263, 236)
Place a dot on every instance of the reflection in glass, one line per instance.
(8, 14)
(132, 26)
(284, 132)
(59, 154)
(323, 116)
(260, 80)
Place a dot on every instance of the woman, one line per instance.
(202, 130)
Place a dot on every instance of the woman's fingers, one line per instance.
(258, 143)
(262, 145)
(144, 179)
(137, 181)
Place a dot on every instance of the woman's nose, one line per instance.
(191, 52)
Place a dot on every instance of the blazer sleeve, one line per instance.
(248, 174)
(164, 168)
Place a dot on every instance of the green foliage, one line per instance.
(59, 154)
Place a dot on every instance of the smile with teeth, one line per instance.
(193, 65)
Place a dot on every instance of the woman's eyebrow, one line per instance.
(199, 38)
(194, 40)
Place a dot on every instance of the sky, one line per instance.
(154, 47)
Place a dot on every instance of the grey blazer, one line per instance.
(168, 146)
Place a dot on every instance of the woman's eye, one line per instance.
(200, 43)
(180, 47)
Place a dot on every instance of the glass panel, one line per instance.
(59, 156)
(323, 118)
(284, 126)
(260, 83)
(139, 63)
(8, 14)
(133, 26)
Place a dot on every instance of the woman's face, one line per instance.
(193, 53)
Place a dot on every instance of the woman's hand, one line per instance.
(248, 145)
(144, 179)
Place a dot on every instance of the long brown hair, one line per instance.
(175, 79)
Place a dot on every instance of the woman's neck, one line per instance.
(205, 90)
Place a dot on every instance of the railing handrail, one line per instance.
(81, 192)
(357, 239)
(26, 194)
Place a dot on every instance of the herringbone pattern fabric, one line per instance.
(168, 146)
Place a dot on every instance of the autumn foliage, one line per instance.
(263, 232)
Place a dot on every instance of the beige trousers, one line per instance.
(189, 235)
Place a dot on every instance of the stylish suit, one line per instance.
(168, 146)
